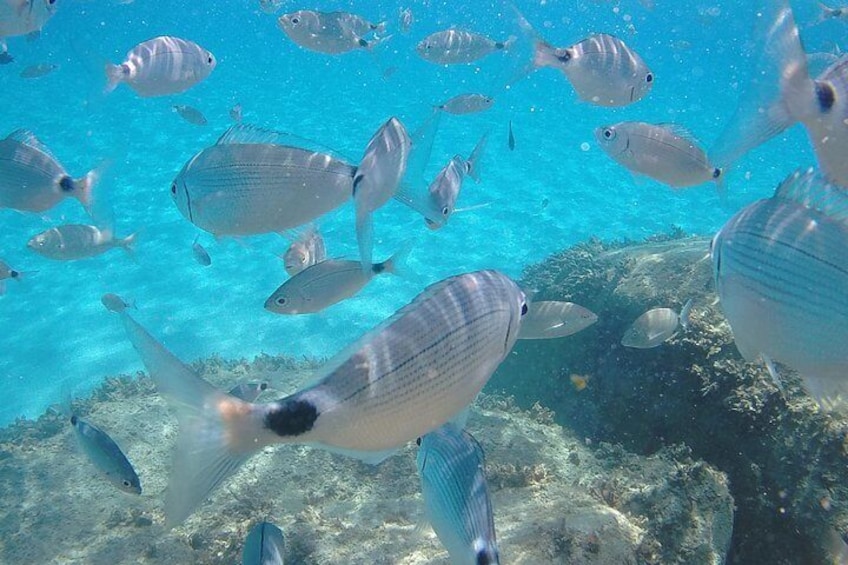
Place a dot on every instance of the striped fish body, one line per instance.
(24, 17)
(161, 66)
(456, 497)
(105, 454)
(781, 271)
(254, 188)
(456, 46)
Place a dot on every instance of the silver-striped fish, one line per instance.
(457, 46)
(456, 496)
(331, 33)
(248, 183)
(781, 270)
(105, 454)
(77, 241)
(264, 545)
(551, 319)
(411, 374)
(656, 326)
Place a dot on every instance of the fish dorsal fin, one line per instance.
(810, 189)
(243, 134)
(28, 138)
(681, 131)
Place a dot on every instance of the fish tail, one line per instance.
(114, 76)
(505, 45)
(379, 28)
(84, 189)
(473, 162)
(397, 264)
(684, 315)
(128, 244)
(217, 432)
(824, 13)
(370, 45)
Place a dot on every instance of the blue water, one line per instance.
(55, 333)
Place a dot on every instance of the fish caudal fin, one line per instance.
(84, 189)
(128, 244)
(684, 315)
(397, 263)
(473, 162)
(114, 76)
(218, 432)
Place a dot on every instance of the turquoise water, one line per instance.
(57, 335)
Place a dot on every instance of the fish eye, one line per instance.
(209, 59)
(126, 483)
(280, 301)
(524, 309)
(445, 211)
(649, 78)
(609, 133)
(295, 20)
(418, 441)
(174, 188)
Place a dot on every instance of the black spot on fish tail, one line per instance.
(499, 45)
(263, 386)
(716, 173)
(362, 43)
(825, 95)
(14, 274)
(484, 557)
(291, 417)
(378, 268)
(66, 183)
(357, 179)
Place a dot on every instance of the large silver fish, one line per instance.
(411, 374)
(456, 46)
(248, 183)
(781, 271)
(105, 454)
(781, 93)
(456, 496)
(23, 17)
(264, 545)
(161, 66)
(32, 180)
(77, 241)
(550, 319)
(330, 32)
(664, 152)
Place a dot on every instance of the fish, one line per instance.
(331, 33)
(457, 46)
(326, 283)
(411, 374)
(270, 6)
(305, 251)
(656, 326)
(664, 152)
(191, 115)
(451, 465)
(24, 17)
(510, 142)
(553, 319)
(236, 113)
(265, 545)
(781, 93)
(38, 71)
(115, 303)
(828, 13)
(161, 66)
(377, 179)
(33, 180)
(77, 241)
(781, 271)
(248, 392)
(200, 254)
(602, 69)
(106, 456)
(579, 382)
(248, 184)
(405, 19)
(7, 272)
(467, 104)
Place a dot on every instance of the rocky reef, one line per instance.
(786, 459)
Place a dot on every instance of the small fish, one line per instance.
(236, 113)
(377, 180)
(511, 139)
(326, 283)
(305, 251)
(405, 19)
(7, 272)
(828, 13)
(39, 70)
(32, 180)
(443, 192)
(781, 271)
(106, 456)
(451, 466)
(5, 58)
(76, 241)
(665, 152)
(191, 115)
(579, 382)
(331, 33)
(553, 319)
(265, 545)
(411, 374)
(200, 254)
(161, 66)
(248, 392)
(656, 326)
(115, 303)
(467, 104)
(270, 6)
(456, 46)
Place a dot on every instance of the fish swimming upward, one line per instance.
(408, 376)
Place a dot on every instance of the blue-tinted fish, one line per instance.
(115, 303)
(456, 496)
(781, 271)
(549, 319)
(200, 254)
(265, 545)
(105, 454)
(408, 376)
(248, 391)
(77, 241)
(456, 46)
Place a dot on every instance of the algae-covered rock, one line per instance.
(786, 459)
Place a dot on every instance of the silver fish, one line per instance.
(331, 33)
(408, 376)
(305, 251)
(115, 303)
(656, 326)
(77, 241)
(456, 46)
(781, 271)
(265, 545)
(247, 184)
(24, 17)
(326, 283)
(248, 392)
(456, 496)
(405, 19)
(161, 66)
(443, 192)
(552, 319)
(191, 115)
(105, 454)
(200, 254)
(38, 71)
(377, 180)
(828, 13)
(467, 104)
(781, 93)
(665, 152)
(32, 180)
